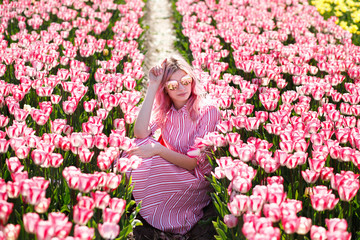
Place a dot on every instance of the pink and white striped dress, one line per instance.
(172, 198)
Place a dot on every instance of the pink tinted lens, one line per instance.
(186, 80)
(172, 85)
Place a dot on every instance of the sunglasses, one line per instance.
(172, 85)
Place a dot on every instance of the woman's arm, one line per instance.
(179, 159)
(141, 127)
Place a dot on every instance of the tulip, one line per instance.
(101, 199)
(86, 202)
(12, 231)
(338, 235)
(272, 211)
(35, 195)
(290, 224)
(14, 165)
(83, 232)
(118, 205)
(22, 152)
(111, 216)
(5, 211)
(348, 190)
(69, 107)
(39, 156)
(310, 176)
(4, 145)
(44, 230)
(81, 215)
(336, 224)
(13, 189)
(101, 141)
(238, 205)
(87, 182)
(113, 181)
(43, 205)
(230, 220)
(240, 184)
(317, 233)
(85, 155)
(109, 230)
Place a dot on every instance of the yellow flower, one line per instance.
(343, 24)
(353, 29)
(338, 13)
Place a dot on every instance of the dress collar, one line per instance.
(183, 109)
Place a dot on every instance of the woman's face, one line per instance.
(179, 88)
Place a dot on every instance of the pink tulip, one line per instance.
(69, 107)
(101, 199)
(240, 184)
(81, 215)
(39, 156)
(4, 120)
(4, 145)
(111, 216)
(336, 224)
(22, 152)
(317, 233)
(55, 159)
(101, 141)
(336, 235)
(310, 176)
(34, 195)
(12, 231)
(113, 181)
(304, 225)
(20, 114)
(14, 165)
(76, 139)
(109, 230)
(85, 155)
(57, 126)
(348, 190)
(118, 205)
(86, 202)
(230, 220)
(13, 189)
(83, 232)
(238, 205)
(44, 230)
(5, 209)
(30, 220)
(43, 205)
(316, 164)
(87, 182)
(290, 224)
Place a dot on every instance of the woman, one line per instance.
(170, 184)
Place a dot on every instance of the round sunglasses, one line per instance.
(172, 85)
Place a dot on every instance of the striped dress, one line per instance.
(172, 198)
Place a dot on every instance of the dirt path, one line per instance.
(161, 36)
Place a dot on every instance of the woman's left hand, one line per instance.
(146, 151)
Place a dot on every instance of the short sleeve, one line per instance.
(153, 127)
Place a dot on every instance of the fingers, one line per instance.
(157, 70)
(163, 65)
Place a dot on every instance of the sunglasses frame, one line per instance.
(173, 85)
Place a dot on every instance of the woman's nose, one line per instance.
(181, 86)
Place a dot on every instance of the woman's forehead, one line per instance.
(178, 74)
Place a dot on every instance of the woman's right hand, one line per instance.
(156, 73)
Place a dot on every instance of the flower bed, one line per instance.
(69, 92)
(286, 80)
(346, 11)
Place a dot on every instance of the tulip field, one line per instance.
(286, 154)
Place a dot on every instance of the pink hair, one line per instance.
(163, 101)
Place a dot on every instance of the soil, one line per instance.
(159, 41)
